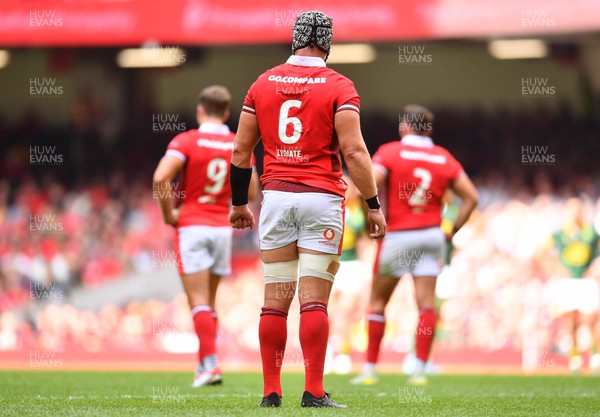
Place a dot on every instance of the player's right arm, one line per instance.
(464, 188)
(246, 138)
(358, 162)
(165, 172)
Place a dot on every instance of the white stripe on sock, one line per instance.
(376, 317)
(200, 308)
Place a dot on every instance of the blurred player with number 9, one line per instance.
(203, 238)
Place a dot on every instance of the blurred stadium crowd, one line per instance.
(92, 218)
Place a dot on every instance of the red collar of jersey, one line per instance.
(215, 128)
(306, 61)
(418, 141)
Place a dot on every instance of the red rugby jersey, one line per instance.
(204, 181)
(295, 104)
(418, 173)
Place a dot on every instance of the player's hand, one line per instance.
(241, 217)
(377, 224)
(173, 218)
(450, 235)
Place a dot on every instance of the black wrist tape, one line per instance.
(373, 203)
(239, 178)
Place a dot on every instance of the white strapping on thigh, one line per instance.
(280, 271)
(321, 266)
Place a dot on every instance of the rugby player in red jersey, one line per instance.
(417, 173)
(203, 238)
(305, 114)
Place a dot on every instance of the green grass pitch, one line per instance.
(106, 394)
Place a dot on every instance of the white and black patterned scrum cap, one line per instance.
(312, 28)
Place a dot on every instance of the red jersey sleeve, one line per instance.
(179, 147)
(348, 98)
(249, 106)
(380, 160)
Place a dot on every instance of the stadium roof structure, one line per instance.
(202, 22)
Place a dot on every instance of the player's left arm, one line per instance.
(168, 167)
(254, 186)
(380, 177)
(464, 188)
(246, 138)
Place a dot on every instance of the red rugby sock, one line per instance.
(314, 331)
(376, 332)
(425, 333)
(204, 325)
(272, 333)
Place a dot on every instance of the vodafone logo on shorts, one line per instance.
(329, 234)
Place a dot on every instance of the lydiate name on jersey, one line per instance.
(290, 155)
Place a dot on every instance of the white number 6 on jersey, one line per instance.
(285, 120)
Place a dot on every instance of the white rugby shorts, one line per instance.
(204, 247)
(315, 220)
(352, 277)
(418, 252)
(574, 294)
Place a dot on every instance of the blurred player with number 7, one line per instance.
(417, 173)
(203, 239)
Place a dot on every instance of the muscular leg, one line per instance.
(570, 322)
(425, 333)
(348, 311)
(272, 330)
(214, 284)
(313, 295)
(197, 290)
(382, 289)
(594, 362)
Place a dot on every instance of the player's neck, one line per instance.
(214, 120)
(310, 51)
